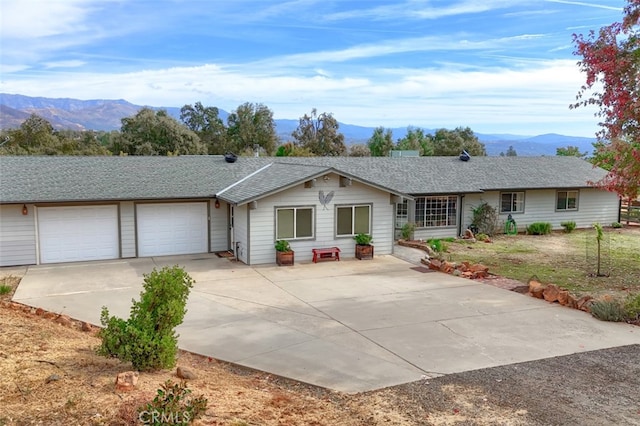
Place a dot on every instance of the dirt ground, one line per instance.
(52, 376)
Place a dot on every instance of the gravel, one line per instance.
(590, 388)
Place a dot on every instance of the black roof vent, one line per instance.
(465, 156)
(230, 157)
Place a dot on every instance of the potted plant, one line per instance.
(284, 254)
(364, 249)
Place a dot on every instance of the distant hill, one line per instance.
(104, 114)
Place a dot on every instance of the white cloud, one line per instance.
(29, 19)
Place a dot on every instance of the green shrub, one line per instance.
(437, 245)
(172, 405)
(568, 226)
(539, 228)
(485, 219)
(5, 289)
(282, 245)
(608, 310)
(482, 237)
(147, 338)
(616, 225)
(363, 239)
(632, 307)
(408, 230)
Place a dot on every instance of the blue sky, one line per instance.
(497, 66)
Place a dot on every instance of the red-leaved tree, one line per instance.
(611, 61)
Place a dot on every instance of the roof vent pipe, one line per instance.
(230, 157)
(464, 156)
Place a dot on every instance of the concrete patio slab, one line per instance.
(350, 325)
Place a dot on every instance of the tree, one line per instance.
(359, 150)
(381, 142)
(611, 62)
(570, 151)
(290, 149)
(453, 142)
(416, 140)
(207, 124)
(319, 134)
(251, 126)
(152, 132)
(511, 152)
(36, 136)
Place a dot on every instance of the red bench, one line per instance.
(327, 253)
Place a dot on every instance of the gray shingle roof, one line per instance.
(48, 179)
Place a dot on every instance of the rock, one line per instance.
(64, 320)
(86, 327)
(52, 378)
(550, 293)
(563, 297)
(186, 374)
(435, 264)
(584, 303)
(572, 302)
(447, 267)
(536, 289)
(478, 267)
(49, 315)
(126, 381)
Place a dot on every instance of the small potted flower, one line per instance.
(284, 254)
(364, 249)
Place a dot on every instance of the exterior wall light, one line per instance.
(25, 210)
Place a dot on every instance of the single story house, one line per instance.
(67, 209)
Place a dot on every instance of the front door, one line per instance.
(402, 217)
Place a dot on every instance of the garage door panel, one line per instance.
(70, 234)
(169, 229)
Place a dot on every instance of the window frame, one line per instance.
(421, 220)
(295, 218)
(353, 219)
(512, 193)
(567, 198)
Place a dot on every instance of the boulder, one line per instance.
(186, 374)
(126, 381)
(536, 289)
(435, 264)
(563, 297)
(86, 327)
(64, 320)
(584, 303)
(550, 293)
(572, 302)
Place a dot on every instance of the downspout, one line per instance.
(461, 215)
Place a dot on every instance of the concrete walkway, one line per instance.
(350, 325)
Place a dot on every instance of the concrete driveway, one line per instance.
(350, 325)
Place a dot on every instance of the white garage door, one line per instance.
(70, 234)
(176, 228)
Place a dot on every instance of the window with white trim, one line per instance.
(567, 200)
(512, 202)
(294, 223)
(353, 220)
(437, 211)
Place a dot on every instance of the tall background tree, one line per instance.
(251, 126)
(511, 152)
(319, 134)
(207, 124)
(611, 62)
(452, 142)
(416, 140)
(152, 132)
(570, 151)
(36, 136)
(381, 142)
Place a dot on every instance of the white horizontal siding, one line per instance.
(594, 205)
(262, 219)
(127, 229)
(240, 229)
(218, 227)
(17, 235)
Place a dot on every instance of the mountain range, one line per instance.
(103, 114)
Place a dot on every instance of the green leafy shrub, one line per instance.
(437, 245)
(363, 239)
(282, 245)
(632, 307)
(539, 228)
(568, 226)
(482, 237)
(5, 289)
(616, 225)
(147, 339)
(608, 310)
(407, 230)
(172, 405)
